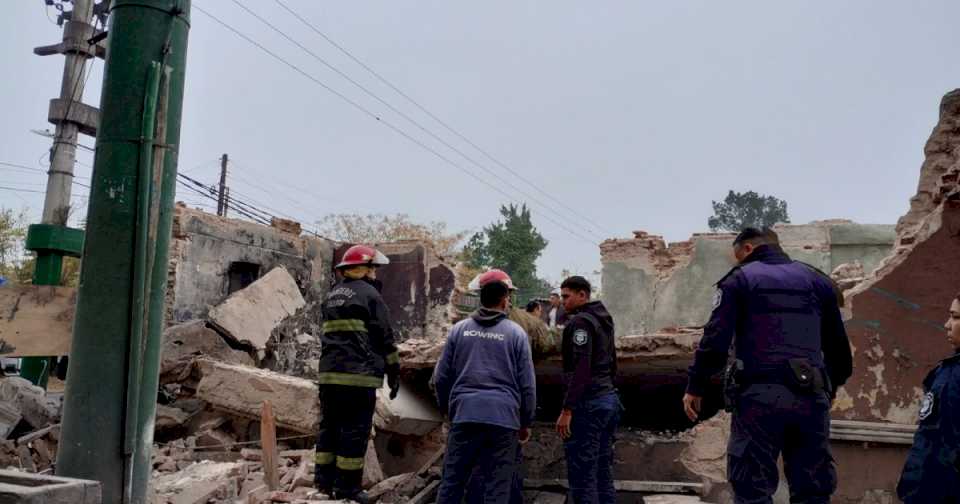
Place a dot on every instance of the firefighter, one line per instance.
(791, 354)
(357, 350)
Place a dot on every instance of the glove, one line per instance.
(394, 382)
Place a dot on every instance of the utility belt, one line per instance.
(799, 375)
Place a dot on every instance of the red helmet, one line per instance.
(362, 255)
(493, 275)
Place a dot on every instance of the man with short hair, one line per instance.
(485, 383)
(591, 406)
(556, 316)
(792, 353)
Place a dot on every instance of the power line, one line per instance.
(255, 218)
(14, 189)
(388, 124)
(401, 113)
(433, 116)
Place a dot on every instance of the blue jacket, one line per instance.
(776, 309)
(931, 471)
(485, 374)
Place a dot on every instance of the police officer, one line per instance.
(930, 474)
(591, 407)
(357, 348)
(791, 352)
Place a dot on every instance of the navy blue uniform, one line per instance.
(931, 472)
(777, 312)
(590, 367)
(358, 349)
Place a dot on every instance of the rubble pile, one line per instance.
(29, 426)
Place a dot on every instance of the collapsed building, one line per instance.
(243, 329)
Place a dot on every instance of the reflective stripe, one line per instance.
(393, 358)
(350, 464)
(344, 325)
(324, 458)
(353, 380)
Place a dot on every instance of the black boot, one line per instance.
(323, 477)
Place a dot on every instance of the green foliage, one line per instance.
(512, 244)
(13, 231)
(748, 209)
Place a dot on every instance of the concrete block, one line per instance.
(241, 390)
(409, 414)
(37, 408)
(251, 314)
(185, 342)
(22, 488)
(9, 418)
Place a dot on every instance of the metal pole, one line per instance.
(221, 199)
(63, 154)
(114, 362)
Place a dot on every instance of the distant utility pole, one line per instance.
(222, 196)
(52, 239)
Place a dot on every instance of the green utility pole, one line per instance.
(114, 360)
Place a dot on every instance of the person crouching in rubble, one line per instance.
(931, 471)
(591, 407)
(357, 348)
(485, 383)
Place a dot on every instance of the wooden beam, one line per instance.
(268, 445)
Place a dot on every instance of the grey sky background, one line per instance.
(637, 114)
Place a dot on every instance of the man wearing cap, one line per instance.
(485, 383)
(357, 350)
(791, 354)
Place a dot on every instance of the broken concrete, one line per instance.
(184, 343)
(36, 407)
(409, 414)
(199, 483)
(22, 488)
(212, 257)
(649, 286)
(249, 315)
(241, 390)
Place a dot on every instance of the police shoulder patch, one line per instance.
(926, 407)
(580, 337)
(717, 298)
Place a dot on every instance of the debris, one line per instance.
(185, 342)
(9, 418)
(37, 409)
(249, 315)
(241, 390)
(408, 414)
(29, 488)
(268, 446)
(170, 418)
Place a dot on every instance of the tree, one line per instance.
(513, 245)
(748, 209)
(13, 230)
(379, 228)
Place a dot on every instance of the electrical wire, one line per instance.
(439, 121)
(386, 123)
(405, 116)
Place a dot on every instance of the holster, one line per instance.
(805, 378)
(732, 385)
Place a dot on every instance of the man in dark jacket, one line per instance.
(485, 383)
(357, 350)
(591, 407)
(792, 352)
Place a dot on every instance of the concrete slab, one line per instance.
(409, 414)
(241, 390)
(250, 315)
(23, 488)
(185, 342)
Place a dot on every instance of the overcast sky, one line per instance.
(634, 114)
